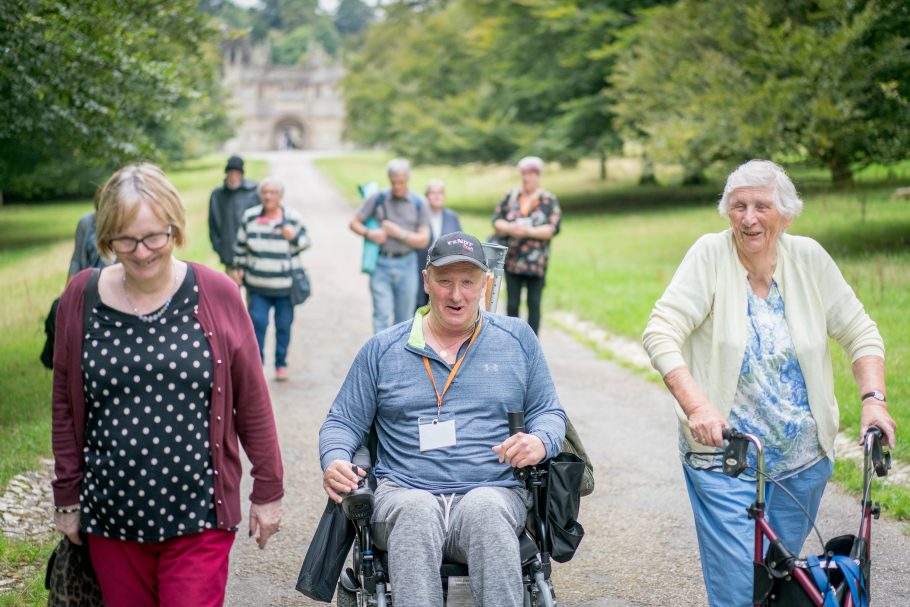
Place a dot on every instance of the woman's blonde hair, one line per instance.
(120, 197)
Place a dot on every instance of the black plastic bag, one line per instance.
(563, 502)
(325, 556)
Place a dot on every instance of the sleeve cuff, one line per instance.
(333, 454)
(265, 492)
(66, 496)
(868, 351)
(664, 363)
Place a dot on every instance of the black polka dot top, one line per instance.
(148, 473)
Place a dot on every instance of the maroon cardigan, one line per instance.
(240, 404)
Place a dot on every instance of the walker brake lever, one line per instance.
(735, 453)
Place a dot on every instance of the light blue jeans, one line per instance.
(726, 533)
(393, 286)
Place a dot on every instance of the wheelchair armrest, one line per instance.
(362, 458)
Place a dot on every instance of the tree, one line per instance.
(713, 80)
(90, 86)
(484, 80)
(352, 17)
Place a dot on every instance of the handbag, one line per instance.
(325, 556)
(572, 444)
(300, 286)
(70, 578)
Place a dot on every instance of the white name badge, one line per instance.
(436, 432)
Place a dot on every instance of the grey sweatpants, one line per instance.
(479, 528)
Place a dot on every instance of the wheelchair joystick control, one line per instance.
(358, 504)
(516, 425)
(516, 422)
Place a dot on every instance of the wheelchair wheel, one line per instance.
(344, 597)
(543, 594)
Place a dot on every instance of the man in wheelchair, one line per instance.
(438, 390)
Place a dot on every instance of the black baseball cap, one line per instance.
(455, 247)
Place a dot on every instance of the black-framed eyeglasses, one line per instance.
(152, 242)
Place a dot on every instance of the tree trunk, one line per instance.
(647, 172)
(841, 172)
(603, 165)
(694, 176)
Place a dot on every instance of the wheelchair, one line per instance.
(366, 582)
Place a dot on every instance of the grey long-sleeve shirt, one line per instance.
(504, 370)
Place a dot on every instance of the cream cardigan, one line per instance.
(699, 322)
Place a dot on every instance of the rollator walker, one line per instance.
(838, 578)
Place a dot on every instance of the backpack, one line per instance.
(50, 323)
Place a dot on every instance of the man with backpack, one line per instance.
(398, 220)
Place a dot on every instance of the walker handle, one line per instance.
(730, 434)
(881, 460)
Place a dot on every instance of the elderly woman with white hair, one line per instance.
(740, 337)
(269, 241)
(525, 220)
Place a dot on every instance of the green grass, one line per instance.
(36, 242)
(24, 562)
(620, 245)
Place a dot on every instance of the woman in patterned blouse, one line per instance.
(525, 220)
(154, 387)
(741, 337)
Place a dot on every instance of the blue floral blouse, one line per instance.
(771, 399)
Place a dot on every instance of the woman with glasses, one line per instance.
(153, 387)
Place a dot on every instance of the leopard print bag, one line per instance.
(70, 578)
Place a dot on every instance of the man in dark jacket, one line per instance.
(226, 207)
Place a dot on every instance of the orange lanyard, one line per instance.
(453, 372)
(526, 205)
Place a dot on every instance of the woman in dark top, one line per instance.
(150, 399)
(525, 220)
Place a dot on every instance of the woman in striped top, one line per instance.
(269, 240)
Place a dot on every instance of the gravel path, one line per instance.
(640, 544)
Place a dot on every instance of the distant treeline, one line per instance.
(692, 82)
(88, 86)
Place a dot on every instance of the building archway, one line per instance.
(288, 134)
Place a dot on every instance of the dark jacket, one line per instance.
(85, 252)
(226, 208)
(450, 223)
(240, 404)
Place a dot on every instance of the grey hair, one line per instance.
(398, 166)
(271, 181)
(530, 163)
(435, 183)
(763, 173)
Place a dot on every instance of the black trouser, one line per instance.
(514, 284)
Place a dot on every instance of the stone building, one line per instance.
(276, 107)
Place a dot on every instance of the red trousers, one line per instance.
(184, 571)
